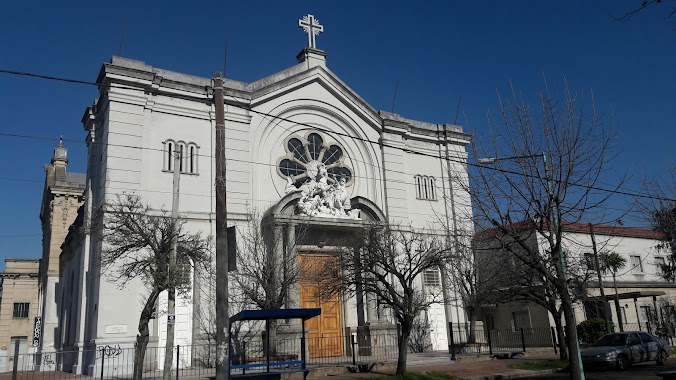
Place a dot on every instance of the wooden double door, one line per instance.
(325, 332)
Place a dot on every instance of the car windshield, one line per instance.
(611, 340)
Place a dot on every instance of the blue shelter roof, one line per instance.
(268, 314)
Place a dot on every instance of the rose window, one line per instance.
(305, 156)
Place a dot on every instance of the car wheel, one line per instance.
(622, 362)
(661, 357)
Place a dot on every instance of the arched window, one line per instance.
(425, 187)
(168, 155)
(181, 156)
(304, 155)
(187, 156)
(191, 158)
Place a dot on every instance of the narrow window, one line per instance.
(425, 187)
(170, 156)
(431, 278)
(180, 158)
(418, 193)
(636, 265)
(425, 195)
(192, 159)
(433, 190)
(20, 310)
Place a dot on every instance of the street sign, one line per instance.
(171, 319)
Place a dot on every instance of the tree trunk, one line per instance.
(140, 353)
(574, 360)
(144, 334)
(471, 314)
(560, 336)
(273, 337)
(618, 309)
(406, 328)
(169, 345)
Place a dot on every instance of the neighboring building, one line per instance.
(300, 126)
(18, 311)
(647, 300)
(62, 196)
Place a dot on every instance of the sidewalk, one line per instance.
(474, 368)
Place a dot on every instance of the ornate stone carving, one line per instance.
(321, 198)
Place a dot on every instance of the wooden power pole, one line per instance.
(171, 302)
(222, 314)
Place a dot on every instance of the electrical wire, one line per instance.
(202, 99)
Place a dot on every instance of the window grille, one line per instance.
(431, 278)
(20, 310)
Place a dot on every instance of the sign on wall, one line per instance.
(37, 331)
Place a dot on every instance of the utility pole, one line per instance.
(222, 312)
(171, 303)
(598, 274)
(448, 313)
(454, 225)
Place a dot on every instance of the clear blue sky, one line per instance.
(438, 51)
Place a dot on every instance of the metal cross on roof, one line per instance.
(311, 26)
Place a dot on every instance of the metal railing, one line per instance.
(197, 361)
(499, 340)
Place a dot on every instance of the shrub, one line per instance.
(591, 330)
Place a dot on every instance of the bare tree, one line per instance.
(548, 163)
(137, 241)
(389, 264)
(267, 272)
(660, 211)
(645, 4)
(475, 278)
(205, 319)
(513, 280)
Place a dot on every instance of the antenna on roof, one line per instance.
(225, 58)
(457, 110)
(124, 30)
(394, 98)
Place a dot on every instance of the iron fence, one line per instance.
(480, 341)
(198, 361)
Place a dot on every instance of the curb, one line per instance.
(510, 375)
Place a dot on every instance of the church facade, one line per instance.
(301, 147)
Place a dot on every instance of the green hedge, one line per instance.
(591, 330)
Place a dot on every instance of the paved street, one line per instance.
(643, 371)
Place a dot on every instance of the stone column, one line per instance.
(359, 296)
(291, 265)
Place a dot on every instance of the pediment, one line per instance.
(299, 76)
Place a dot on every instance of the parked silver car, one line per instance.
(620, 350)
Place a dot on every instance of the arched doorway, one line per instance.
(315, 244)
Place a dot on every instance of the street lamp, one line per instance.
(555, 221)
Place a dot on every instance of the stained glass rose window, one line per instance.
(304, 155)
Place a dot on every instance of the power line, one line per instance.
(19, 179)
(379, 143)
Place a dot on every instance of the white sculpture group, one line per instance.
(321, 198)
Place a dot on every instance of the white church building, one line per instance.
(298, 126)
